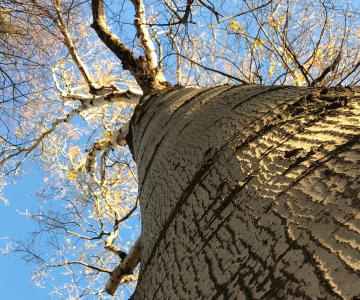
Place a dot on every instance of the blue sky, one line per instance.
(14, 273)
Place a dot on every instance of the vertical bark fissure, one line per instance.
(185, 194)
(308, 257)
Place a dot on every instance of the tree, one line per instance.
(251, 193)
(246, 192)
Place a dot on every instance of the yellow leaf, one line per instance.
(71, 175)
(319, 52)
(272, 67)
(235, 25)
(259, 43)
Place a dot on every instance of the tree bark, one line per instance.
(249, 192)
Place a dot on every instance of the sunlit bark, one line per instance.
(249, 192)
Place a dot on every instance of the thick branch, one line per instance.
(147, 75)
(143, 33)
(61, 25)
(327, 70)
(116, 139)
(128, 96)
(109, 242)
(126, 267)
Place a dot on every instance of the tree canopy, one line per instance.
(72, 71)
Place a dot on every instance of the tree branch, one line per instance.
(61, 25)
(232, 16)
(178, 60)
(143, 34)
(116, 139)
(78, 263)
(327, 70)
(213, 70)
(144, 70)
(126, 267)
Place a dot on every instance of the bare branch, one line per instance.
(327, 70)
(126, 267)
(78, 263)
(143, 34)
(147, 75)
(117, 138)
(62, 26)
(187, 11)
(178, 60)
(109, 242)
(232, 16)
(213, 70)
(271, 41)
(128, 215)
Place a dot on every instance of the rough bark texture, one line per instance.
(249, 192)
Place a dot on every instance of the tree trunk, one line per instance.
(249, 192)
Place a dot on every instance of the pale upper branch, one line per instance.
(147, 74)
(109, 242)
(62, 27)
(129, 96)
(143, 33)
(178, 57)
(159, 45)
(126, 96)
(117, 138)
(126, 267)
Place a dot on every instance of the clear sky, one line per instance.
(14, 274)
